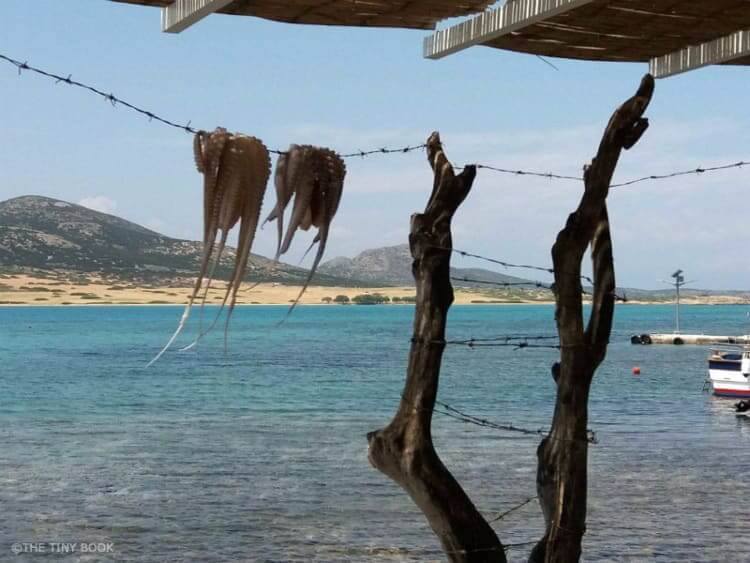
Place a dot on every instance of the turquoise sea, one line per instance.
(260, 454)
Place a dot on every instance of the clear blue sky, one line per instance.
(350, 89)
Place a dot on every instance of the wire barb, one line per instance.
(546, 269)
(548, 175)
(517, 342)
(114, 100)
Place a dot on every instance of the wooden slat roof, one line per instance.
(414, 14)
(688, 33)
(628, 30)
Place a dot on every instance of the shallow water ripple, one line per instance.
(260, 454)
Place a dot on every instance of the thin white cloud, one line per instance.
(685, 222)
(100, 203)
(156, 224)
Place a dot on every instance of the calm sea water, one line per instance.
(260, 454)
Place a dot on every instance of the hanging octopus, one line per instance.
(235, 172)
(315, 177)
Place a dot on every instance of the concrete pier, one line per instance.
(677, 339)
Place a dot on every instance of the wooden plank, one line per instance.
(513, 15)
(414, 14)
(181, 14)
(723, 50)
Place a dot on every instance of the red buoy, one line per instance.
(636, 370)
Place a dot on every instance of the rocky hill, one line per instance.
(392, 264)
(40, 233)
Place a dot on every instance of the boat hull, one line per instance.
(729, 382)
(733, 393)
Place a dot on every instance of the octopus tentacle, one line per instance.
(254, 179)
(209, 150)
(257, 177)
(315, 241)
(303, 196)
(255, 182)
(241, 196)
(186, 313)
(214, 265)
(236, 170)
(212, 153)
(199, 142)
(316, 202)
(283, 195)
(316, 262)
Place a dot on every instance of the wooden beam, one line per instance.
(721, 50)
(181, 14)
(513, 15)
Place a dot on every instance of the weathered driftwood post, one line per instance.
(562, 455)
(403, 450)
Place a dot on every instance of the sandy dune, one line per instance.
(32, 290)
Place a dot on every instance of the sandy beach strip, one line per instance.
(67, 289)
(37, 290)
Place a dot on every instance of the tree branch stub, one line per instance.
(403, 450)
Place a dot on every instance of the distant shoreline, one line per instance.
(25, 290)
(31, 290)
(4, 303)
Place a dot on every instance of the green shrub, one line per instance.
(371, 299)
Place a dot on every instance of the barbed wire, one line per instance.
(622, 298)
(548, 175)
(512, 510)
(509, 546)
(503, 284)
(506, 546)
(452, 412)
(505, 264)
(648, 178)
(516, 342)
(187, 128)
(515, 345)
(115, 101)
(384, 151)
(697, 171)
(111, 98)
(537, 284)
(512, 337)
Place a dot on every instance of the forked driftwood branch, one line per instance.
(403, 450)
(562, 455)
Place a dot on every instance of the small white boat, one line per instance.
(729, 371)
